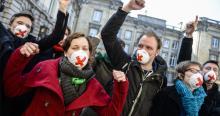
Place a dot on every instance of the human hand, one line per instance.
(29, 49)
(190, 28)
(119, 76)
(64, 5)
(133, 5)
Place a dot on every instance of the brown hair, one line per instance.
(73, 36)
(182, 67)
(152, 34)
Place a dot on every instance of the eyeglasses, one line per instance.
(194, 71)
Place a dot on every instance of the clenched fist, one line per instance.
(29, 49)
(119, 76)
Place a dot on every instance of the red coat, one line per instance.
(48, 99)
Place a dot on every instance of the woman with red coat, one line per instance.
(66, 85)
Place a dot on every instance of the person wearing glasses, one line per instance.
(187, 95)
(211, 106)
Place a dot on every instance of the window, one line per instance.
(119, 34)
(172, 60)
(126, 49)
(138, 34)
(175, 44)
(128, 35)
(215, 43)
(170, 78)
(93, 32)
(164, 55)
(97, 15)
(213, 57)
(166, 43)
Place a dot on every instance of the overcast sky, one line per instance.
(175, 11)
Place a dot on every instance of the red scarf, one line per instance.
(58, 48)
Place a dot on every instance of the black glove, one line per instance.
(2, 5)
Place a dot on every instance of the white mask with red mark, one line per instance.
(196, 81)
(79, 59)
(142, 56)
(21, 31)
(210, 77)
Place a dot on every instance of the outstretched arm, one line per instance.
(109, 34)
(186, 46)
(60, 27)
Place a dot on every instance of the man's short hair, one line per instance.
(152, 34)
(25, 13)
(211, 61)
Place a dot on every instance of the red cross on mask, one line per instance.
(21, 33)
(211, 77)
(139, 57)
(200, 81)
(79, 61)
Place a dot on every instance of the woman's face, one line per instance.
(80, 43)
(192, 69)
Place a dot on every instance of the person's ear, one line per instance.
(158, 52)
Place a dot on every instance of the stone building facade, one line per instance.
(206, 44)
(44, 12)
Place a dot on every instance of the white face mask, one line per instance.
(210, 77)
(142, 56)
(79, 59)
(196, 81)
(21, 31)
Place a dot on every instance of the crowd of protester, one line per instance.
(63, 74)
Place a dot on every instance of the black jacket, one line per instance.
(15, 106)
(148, 86)
(185, 50)
(6, 48)
(211, 105)
(167, 103)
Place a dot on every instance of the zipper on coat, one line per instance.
(144, 77)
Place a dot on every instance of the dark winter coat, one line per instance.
(211, 105)
(142, 88)
(167, 103)
(17, 105)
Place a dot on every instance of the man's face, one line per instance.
(149, 44)
(208, 67)
(21, 21)
(211, 66)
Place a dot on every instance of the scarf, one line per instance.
(72, 80)
(58, 48)
(191, 101)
